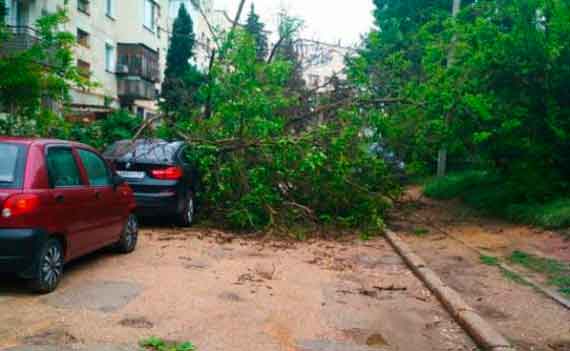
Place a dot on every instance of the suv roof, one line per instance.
(154, 150)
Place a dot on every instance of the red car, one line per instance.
(59, 200)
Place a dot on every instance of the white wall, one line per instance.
(126, 26)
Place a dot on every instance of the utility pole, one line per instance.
(442, 154)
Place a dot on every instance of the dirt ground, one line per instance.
(529, 319)
(222, 292)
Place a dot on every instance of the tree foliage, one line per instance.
(38, 78)
(502, 104)
(258, 174)
(256, 29)
(181, 77)
(119, 125)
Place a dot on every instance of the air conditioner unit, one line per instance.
(122, 69)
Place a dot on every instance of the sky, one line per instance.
(325, 20)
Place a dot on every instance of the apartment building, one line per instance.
(121, 46)
(321, 61)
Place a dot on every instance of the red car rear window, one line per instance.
(12, 157)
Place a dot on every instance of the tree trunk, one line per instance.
(442, 154)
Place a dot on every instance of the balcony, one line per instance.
(137, 71)
(19, 39)
(132, 88)
(138, 60)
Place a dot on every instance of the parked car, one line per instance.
(396, 165)
(59, 200)
(162, 178)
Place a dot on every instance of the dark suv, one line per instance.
(161, 176)
(59, 200)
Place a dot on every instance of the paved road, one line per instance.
(223, 293)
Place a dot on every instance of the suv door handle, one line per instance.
(59, 198)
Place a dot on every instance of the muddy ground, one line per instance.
(529, 319)
(222, 292)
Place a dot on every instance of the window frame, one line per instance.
(110, 9)
(110, 61)
(153, 11)
(49, 148)
(84, 68)
(107, 168)
(83, 34)
(87, 7)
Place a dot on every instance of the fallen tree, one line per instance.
(258, 174)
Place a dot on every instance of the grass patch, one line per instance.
(157, 344)
(494, 262)
(512, 276)
(489, 194)
(421, 232)
(558, 273)
(489, 260)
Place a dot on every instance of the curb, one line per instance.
(555, 296)
(481, 331)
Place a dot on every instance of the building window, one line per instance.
(11, 12)
(109, 58)
(110, 8)
(83, 6)
(140, 112)
(149, 15)
(84, 68)
(82, 38)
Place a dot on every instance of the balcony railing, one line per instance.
(137, 60)
(19, 39)
(135, 88)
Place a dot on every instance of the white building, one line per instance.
(121, 46)
(322, 61)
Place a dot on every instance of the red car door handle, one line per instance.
(98, 195)
(59, 198)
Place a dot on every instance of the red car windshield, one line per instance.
(11, 165)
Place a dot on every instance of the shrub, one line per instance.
(455, 185)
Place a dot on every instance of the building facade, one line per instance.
(121, 46)
(322, 61)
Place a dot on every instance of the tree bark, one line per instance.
(442, 154)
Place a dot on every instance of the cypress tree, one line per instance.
(181, 45)
(256, 28)
(181, 78)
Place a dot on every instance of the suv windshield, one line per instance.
(11, 165)
(155, 151)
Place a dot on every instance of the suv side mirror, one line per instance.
(117, 181)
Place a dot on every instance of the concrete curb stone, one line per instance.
(485, 335)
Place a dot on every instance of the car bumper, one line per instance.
(19, 249)
(158, 204)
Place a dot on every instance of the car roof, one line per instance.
(150, 141)
(41, 141)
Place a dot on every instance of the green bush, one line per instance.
(491, 194)
(118, 125)
(454, 185)
(552, 215)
